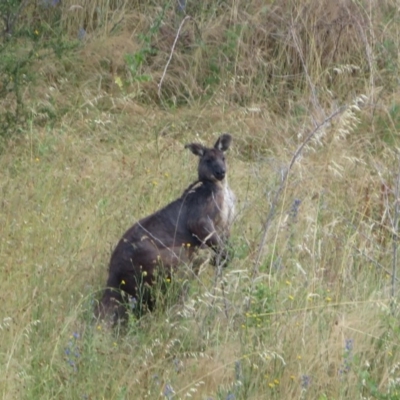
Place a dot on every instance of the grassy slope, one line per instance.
(318, 324)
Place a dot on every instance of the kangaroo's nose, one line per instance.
(220, 174)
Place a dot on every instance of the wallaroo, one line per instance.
(200, 218)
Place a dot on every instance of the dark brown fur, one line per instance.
(169, 237)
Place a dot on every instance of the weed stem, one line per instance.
(275, 200)
(172, 52)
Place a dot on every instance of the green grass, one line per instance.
(97, 149)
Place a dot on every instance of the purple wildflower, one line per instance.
(349, 345)
(81, 33)
(168, 391)
(181, 5)
(238, 370)
(305, 381)
(294, 210)
(347, 357)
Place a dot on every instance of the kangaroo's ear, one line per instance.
(223, 142)
(196, 148)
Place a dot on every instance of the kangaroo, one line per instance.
(200, 218)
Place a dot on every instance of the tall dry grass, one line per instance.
(309, 315)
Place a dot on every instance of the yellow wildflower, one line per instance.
(118, 82)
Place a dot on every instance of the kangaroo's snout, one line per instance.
(220, 174)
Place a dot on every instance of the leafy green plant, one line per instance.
(9, 13)
(14, 71)
(27, 43)
(262, 305)
(137, 60)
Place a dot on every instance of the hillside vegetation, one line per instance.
(98, 98)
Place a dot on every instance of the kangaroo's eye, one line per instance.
(223, 158)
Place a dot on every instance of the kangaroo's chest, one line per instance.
(226, 206)
(229, 204)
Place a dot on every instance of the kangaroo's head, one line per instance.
(212, 166)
